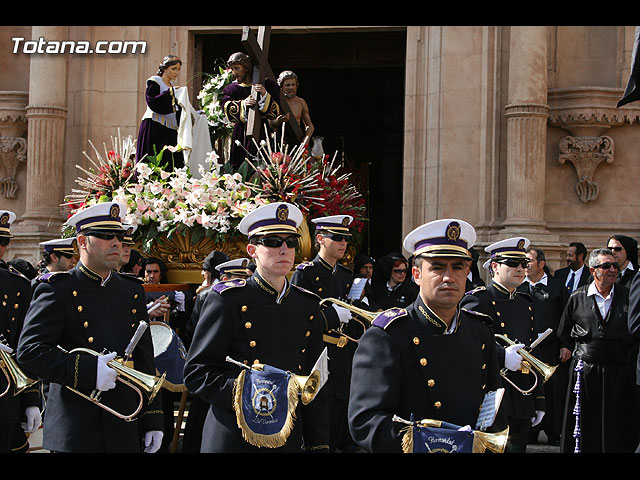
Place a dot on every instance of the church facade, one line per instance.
(514, 129)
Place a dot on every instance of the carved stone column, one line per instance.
(527, 115)
(46, 121)
(46, 114)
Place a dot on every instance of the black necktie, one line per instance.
(570, 285)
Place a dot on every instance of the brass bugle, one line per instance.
(138, 381)
(14, 374)
(309, 386)
(542, 369)
(494, 442)
(366, 315)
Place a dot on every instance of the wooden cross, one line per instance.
(258, 50)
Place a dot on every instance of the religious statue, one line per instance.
(289, 83)
(161, 120)
(240, 96)
(170, 124)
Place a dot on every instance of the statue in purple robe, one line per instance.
(161, 120)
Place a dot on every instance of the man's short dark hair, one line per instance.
(580, 249)
(540, 257)
(161, 265)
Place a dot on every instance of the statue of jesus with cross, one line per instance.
(253, 99)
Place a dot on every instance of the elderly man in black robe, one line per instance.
(601, 409)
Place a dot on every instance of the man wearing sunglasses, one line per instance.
(58, 255)
(15, 290)
(604, 341)
(432, 360)
(263, 320)
(328, 278)
(91, 306)
(625, 251)
(513, 316)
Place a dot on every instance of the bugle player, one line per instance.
(93, 307)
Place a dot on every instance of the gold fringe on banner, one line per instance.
(257, 439)
(407, 439)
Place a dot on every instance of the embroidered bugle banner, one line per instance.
(265, 402)
(419, 439)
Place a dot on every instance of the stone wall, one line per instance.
(488, 110)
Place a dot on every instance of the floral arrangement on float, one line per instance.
(316, 185)
(181, 216)
(210, 97)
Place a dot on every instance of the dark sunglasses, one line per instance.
(337, 237)
(400, 270)
(106, 235)
(514, 262)
(616, 249)
(276, 242)
(66, 255)
(4, 241)
(608, 265)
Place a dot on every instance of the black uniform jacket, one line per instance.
(513, 317)
(548, 304)
(406, 366)
(326, 281)
(76, 309)
(250, 322)
(15, 293)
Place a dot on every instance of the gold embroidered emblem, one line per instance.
(282, 213)
(453, 231)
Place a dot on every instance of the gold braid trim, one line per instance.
(260, 440)
(172, 387)
(152, 412)
(318, 447)
(75, 373)
(21, 447)
(407, 439)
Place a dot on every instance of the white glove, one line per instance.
(106, 376)
(179, 298)
(512, 360)
(538, 418)
(466, 428)
(152, 441)
(34, 419)
(344, 314)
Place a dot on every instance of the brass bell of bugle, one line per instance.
(14, 374)
(542, 369)
(494, 442)
(309, 386)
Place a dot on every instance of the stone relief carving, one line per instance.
(13, 145)
(586, 113)
(586, 153)
(12, 151)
